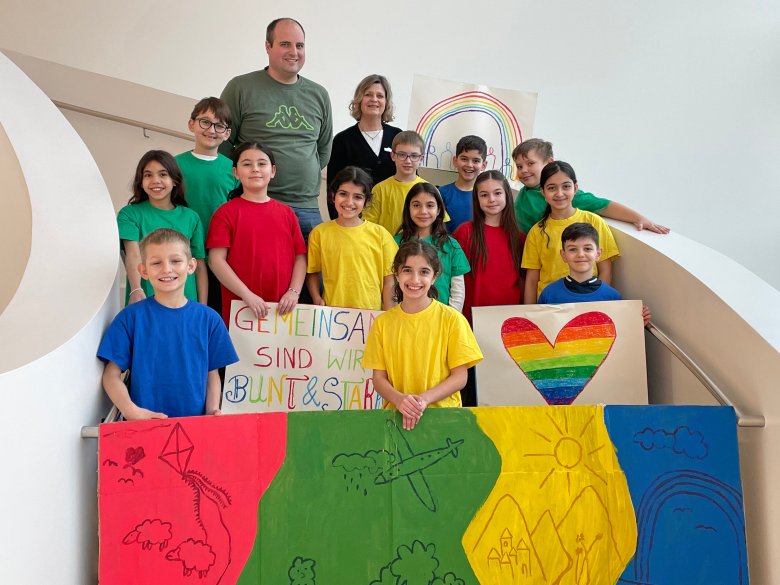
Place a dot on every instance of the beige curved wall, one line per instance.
(15, 222)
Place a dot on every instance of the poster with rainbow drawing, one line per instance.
(578, 353)
(444, 111)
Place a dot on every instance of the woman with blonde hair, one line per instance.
(366, 144)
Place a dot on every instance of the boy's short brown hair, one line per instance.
(216, 106)
(409, 137)
(165, 236)
(541, 147)
(578, 231)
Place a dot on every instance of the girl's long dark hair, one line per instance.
(548, 171)
(241, 149)
(169, 163)
(408, 229)
(478, 254)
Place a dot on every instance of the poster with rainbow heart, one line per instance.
(578, 353)
(444, 111)
(535, 495)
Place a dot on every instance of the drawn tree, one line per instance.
(415, 565)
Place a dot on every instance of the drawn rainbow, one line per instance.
(560, 371)
(478, 102)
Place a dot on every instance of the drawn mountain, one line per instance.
(588, 536)
(557, 561)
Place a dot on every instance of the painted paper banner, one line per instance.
(308, 359)
(568, 495)
(591, 353)
(443, 111)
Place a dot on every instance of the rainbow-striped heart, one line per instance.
(560, 371)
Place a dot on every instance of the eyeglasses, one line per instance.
(404, 155)
(206, 124)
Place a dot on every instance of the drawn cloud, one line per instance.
(682, 441)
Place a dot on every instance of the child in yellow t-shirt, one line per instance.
(542, 252)
(353, 256)
(420, 349)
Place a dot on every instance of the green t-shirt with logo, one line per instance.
(294, 120)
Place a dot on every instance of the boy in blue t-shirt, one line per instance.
(580, 251)
(469, 161)
(173, 347)
(208, 175)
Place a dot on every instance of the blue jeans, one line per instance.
(308, 218)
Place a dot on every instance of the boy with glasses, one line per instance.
(208, 175)
(387, 207)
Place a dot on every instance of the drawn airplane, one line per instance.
(410, 465)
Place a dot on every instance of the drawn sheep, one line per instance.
(195, 555)
(148, 533)
(301, 572)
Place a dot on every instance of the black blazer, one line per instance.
(351, 148)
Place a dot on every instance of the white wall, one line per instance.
(50, 328)
(670, 107)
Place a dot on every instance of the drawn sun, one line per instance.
(568, 450)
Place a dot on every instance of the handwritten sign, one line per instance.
(308, 359)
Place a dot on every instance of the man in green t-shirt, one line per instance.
(288, 113)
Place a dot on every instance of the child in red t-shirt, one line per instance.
(493, 245)
(255, 244)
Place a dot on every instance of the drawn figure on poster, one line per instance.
(388, 467)
(128, 471)
(446, 157)
(132, 456)
(431, 160)
(701, 516)
(362, 469)
(150, 533)
(506, 168)
(416, 563)
(194, 556)
(681, 441)
(490, 159)
(511, 559)
(302, 572)
(208, 502)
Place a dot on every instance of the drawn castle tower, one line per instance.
(512, 563)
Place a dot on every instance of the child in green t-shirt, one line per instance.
(208, 175)
(530, 158)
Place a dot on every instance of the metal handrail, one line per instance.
(743, 420)
(92, 432)
(128, 121)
